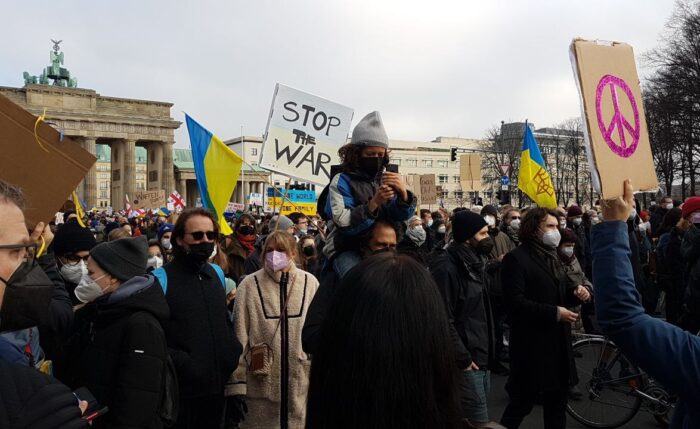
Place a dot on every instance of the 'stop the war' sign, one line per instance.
(616, 136)
(304, 133)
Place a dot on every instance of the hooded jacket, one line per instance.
(119, 350)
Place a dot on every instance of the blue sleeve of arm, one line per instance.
(348, 216)
(667, 353)
(400, 210)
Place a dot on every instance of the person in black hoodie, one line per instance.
(118, 350)
(199, 332)
(460, 273)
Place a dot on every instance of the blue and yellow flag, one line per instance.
(533, 179)
(79, 212)
(216, 167)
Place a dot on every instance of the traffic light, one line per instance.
(453, 154)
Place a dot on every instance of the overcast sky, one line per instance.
(432, 68)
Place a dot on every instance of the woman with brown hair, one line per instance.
(308, 255)
(273, 372)
(239, 245)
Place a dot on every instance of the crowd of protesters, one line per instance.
(370, 313)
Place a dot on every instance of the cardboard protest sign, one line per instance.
(47, 170)
(149, 199)
(294, 201)
(615, 131)
(428, 191)
(304, 133)
(470, 172)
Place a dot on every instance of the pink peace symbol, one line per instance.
(618, 122)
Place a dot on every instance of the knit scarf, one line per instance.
(473, 262)
(247, 241)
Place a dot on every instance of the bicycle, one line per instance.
(614, 389)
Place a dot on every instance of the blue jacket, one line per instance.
(664, 351)
(347, 208)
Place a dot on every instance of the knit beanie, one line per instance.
(568, 235)
(466, 224)
(123, 259)
(71, 238)
(574, 211)
(489, 210)
(690, 205)
(280, 223)
(166, 227)
(370, 132)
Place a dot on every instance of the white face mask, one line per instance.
(551, 238)
(567, 251)
(669, 206)
(154, 262)
(74, 272)
(562, 224)
(490, 220)
(515, 224)
(442, 229)
(430, 223)
(88, 290)
(595, 220)
(577, 221)
(165, 242)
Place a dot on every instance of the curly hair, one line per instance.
(530, 223)
(350, 155)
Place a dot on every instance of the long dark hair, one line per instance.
(350, 155)
(670, 219)
(530, 223)
(385, 358)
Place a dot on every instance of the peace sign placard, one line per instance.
(617, 139)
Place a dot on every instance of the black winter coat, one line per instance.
(119, 353)
(199, 333)
(540, 346)
(461, 277)
(32, 400)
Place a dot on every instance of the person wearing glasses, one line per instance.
(28, 398)
(72, 246)
(199, 333)
(511, 225)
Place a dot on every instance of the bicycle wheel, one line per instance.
(608, 381)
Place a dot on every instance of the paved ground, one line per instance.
(499, 399)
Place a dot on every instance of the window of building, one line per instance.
(103, 185)
(442, 178)
(103, 194)
(428, 163)
(254, 151)
(455, 179)
(443, 194)
(396, 161)
(412, 162)
(442, 163)
(459, 194)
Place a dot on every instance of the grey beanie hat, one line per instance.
(280, 223)
(124, 258)
(370, 132)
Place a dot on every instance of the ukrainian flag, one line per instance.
(532, 177)
(79, 211)
(216, 167)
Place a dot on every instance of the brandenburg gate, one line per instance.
(92, 119)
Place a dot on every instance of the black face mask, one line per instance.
(484, 246)
(246, 230)
(27, 298)
(200, 252)
(371, 166)
(309, 250)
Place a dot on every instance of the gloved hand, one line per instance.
(236, 409)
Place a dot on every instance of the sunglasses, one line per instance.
(198, 235)
(73, 259)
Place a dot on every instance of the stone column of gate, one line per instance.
(129, 168)
(167, 172)
(182, 190)
(90, 181)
